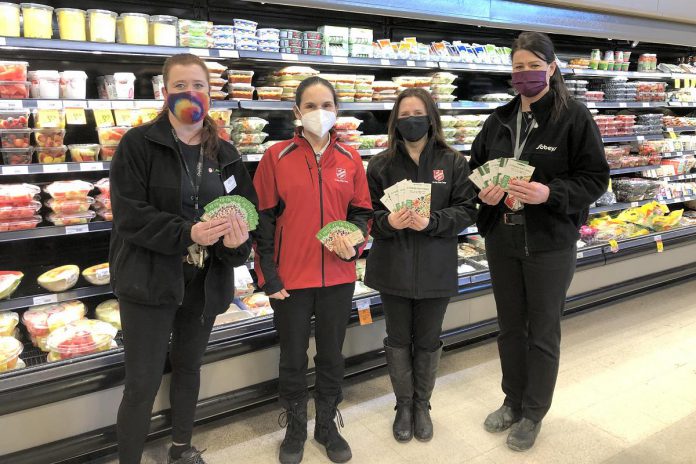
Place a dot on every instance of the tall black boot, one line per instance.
(295, 419)
(325, 430)
(424, 374)
(400, 365)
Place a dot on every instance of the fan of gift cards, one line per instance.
(410, 195)
(330, 233)
(500, 172)
(229, 205)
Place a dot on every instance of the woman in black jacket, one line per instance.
(532, 229)
(413, 260)
(172, 273)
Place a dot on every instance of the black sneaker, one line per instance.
(523, 434)
(502, 419)
(190, 456)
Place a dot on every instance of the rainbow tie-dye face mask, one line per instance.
(189, 107)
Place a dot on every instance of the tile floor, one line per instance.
(626, 394)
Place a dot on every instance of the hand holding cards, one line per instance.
(225, 207)
(500, 172)
(333, 230)
(414, 196)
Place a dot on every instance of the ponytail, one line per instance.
(561, 97)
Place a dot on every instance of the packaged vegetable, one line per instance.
(14, 156)
(97, 275)
(368, 142)
(17, 194)
(41, 320)
(109, 311)
(9, 281)
(236, 76)
(10, 349)
(80, 338)
(69, 189)
(269, 93)
(69, 207)
(249, 125)
(242, 92)
(71, 219)
(83, 153)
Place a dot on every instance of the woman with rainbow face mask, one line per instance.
(171, 272)
(303, 184)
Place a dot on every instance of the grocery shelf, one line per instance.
(649, 239)
(34, 103)
(631, 104)
(622, 206)
(252, 158)
(374, 106)
(680, 129)
(335, 60)
(628, 74)
(677, 154)
(54, 231)
(227, 104)
(470, 105)
(632, 138)
(371, 152)
(54, 168)
(614, 172)
(673, 178)
(260, 105)
(682, 104)
(74, 294)
(462, 147)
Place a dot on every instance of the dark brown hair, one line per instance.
(541, 45)
(210, 140)
(310, 81)
(433, 115)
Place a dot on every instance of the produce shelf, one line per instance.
(632, 138)
(335, 60)
(680, 129)
(677, 154)
(622, 206)
(47, 298)
(470, 105)
(371, 152)
(628, 74)
(54, 168)
(462, 147)
(92, 104)
(673, 178)
(54, 231)
(633, 104)
(615, 172)
(252, 158)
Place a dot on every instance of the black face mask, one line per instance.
(413, 128)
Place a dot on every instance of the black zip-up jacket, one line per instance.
(569, 158)
(150, 236)
(421, 264)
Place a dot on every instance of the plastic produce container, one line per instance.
(45, 84)
(269, 93)
(69, 207)
(80, 338)
(48, 138)
(14, 119)
(13, 156)
(111, 135)
(19, 224)
(162, 30)
(133, 28)
(104, 187)
(17, 194)
(109, 311)
(236, 76)
(124, 85)
(249, 125)
(41, 320)
(71, 219)
(243, 138)
(73, 84)
(15, 138)
(51, 155)
(72, 24)
(38, 20)
(107, 152)
(49, 119)
(14, 90)
(69, 189)
(242, 92)
(101, 26)
(10, 349)
(13, 71)
(221, 116)
(224, 132)
(9, 19)
(8, 322)
(19, 212)
(84, 153)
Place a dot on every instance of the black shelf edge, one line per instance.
(55, 231)
(673, 178)
(615, 172)
(632, 138)
(677, 154)
(57, 168)
(680, 129)
(47, 298)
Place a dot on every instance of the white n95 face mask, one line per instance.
(319, 122)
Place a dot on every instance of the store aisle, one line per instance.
(626, 395)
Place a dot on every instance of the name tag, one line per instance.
(230, 184)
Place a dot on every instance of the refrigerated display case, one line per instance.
(240, 365)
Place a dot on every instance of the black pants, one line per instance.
(414, 322)
(530, 293)
(331, 308)
(146, 337)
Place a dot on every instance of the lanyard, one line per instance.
(196, 186)
(519, 141)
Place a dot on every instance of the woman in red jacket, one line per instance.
(303, 184)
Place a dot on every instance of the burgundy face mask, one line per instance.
(529, 83)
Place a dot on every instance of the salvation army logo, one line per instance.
(341, 175)
(438, 175)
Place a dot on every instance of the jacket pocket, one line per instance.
(280, 246)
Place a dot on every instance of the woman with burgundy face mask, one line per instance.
(303, 184)
(531, 228)
(171, 272)
(413, 260)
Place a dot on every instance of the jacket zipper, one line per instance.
(321, 215)
(280, 246)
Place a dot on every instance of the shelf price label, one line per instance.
(14, 170)
(289, 57)
(91, 166)
(229, 54)
(659, 243)
(45, 299)
(340, 59)
(199, 51)
(148, 114)
(50, 104)
(51, 118)
(623, 105)
(54, 168)
(80, 229)
(75, 116)
(103, 118)
(385, 62)
(124, 117)
(446, 106)
(11, 104)
(614, 246)
(411, 63)
(364, 312)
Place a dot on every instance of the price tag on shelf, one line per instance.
(199, 51)
(51, 118)
(500, 67)
(445, 106)
(289, 57)
(388, 106)
(679, 153)
(75, 104)
(99, 104)
(3, 42)
(148, 104)
(50, 104)
(410, 63)
(591, 105)
(103, 118)
(634, 204)
(640, 138)
(80, 229)
(54, 168)
(45, 299)
(646, 105)
(614, 246)
(229, 54)
(91, 166)
(123, 104)
(14, 170)
(11, 104)
(148, 114)
(623, 105)
(124, 117)
(75, 116)
(444, 65)
(102, 273)
(431, 64)
(364, 311)
(340, 59)
(660, 244)
(580, 255)
(385, 62)
(471, 66)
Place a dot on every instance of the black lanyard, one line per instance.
(519, 141)
(196, 186)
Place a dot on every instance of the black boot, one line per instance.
(399, 363)
(326, 432)
(424, 374)
(295, 419)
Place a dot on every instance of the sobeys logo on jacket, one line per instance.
(544, 147)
